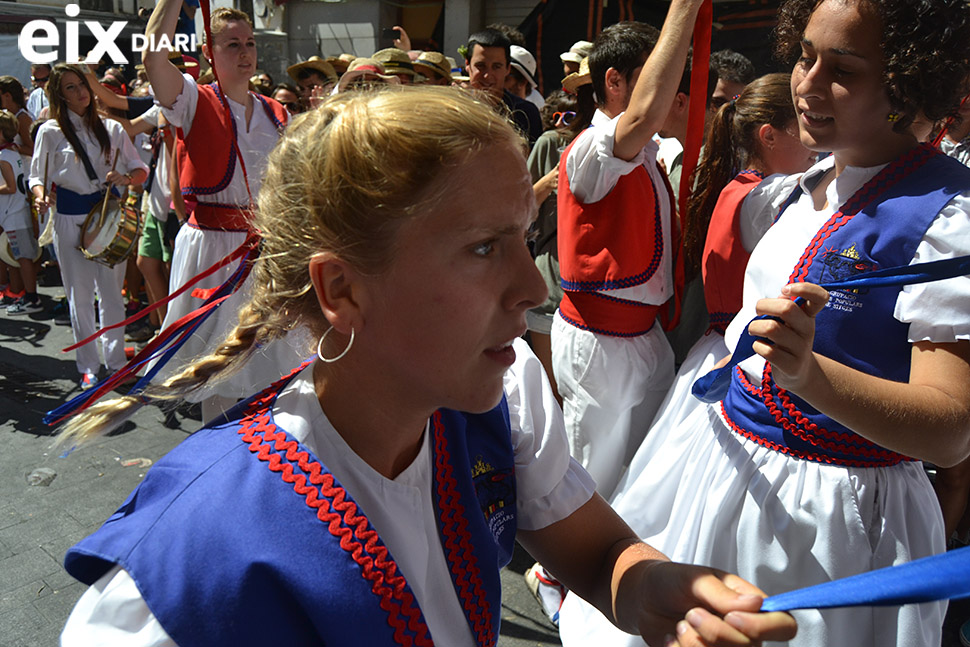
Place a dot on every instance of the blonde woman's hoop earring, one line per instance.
(333, 359)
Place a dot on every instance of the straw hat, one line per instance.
(577, 52)
(6, 252)
(574, 81)
(523, 61)
(364, 67)
(316, 64)
(340, 63)
(395, 61)
(429, 63)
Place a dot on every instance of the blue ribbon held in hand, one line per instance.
(713, 386)
(941, 577)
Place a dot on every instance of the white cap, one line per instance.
(524, 62)
(577, 52)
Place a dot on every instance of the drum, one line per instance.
(113, 238)
(6, 253)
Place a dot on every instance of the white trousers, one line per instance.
(611, 389)
(82, 278)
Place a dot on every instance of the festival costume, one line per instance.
(783, 510)
(76, 195)
(210, 172)
(612, 363)
(275, 545)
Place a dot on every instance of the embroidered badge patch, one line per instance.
(839, 265)
(496, 494)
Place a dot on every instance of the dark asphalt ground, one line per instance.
(39, 523)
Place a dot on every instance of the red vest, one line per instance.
(611, 244)
(207, 158)
(724, 257)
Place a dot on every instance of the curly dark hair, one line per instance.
(925, 46)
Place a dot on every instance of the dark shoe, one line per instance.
(6, 301)
(61, 313)
(141, 332)
(23, 307)
(965, 634)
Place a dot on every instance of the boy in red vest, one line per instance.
(610, 357)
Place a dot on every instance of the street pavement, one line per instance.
(38, 523)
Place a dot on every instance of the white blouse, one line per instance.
(53, 153)
(936, 311)
(549, 487)
(256, 139)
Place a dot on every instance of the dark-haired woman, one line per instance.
(75, 132)
(809, 469)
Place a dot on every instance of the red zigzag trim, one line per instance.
(356, 535)
(458, 541)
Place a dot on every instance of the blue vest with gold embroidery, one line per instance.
(241, 536)
(879, 227)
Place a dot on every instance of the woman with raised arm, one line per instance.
(76, 151)
(225, 135)
(371, 496)
(809, 468)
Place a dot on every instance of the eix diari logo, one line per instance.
(43, 33)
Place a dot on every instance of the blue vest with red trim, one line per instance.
(207, 161)
(857, 327)
(240, 536)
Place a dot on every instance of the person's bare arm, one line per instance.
(546, 185)
(23, 129)
(9, 185)
(108, 98)
(927, 417)
(598, 557)
(165, 78)
(654, 91)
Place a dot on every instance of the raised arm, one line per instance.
(165, 78)
(108, 98)
(927, 417)
(597, 556)
(656, 87)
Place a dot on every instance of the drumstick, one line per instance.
(47, 236)
(107, 194)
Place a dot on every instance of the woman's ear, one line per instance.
(338, 287)
(766, 136)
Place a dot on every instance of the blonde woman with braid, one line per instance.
(225, 134)
(371, 497)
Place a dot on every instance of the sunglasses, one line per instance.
(37, 79)
(563, 118)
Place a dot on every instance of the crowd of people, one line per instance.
(513, 216)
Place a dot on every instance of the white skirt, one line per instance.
(704, 495)
(195, 251)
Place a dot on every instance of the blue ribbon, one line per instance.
(941, 577)
(713, 386)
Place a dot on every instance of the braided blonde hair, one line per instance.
(343, 179)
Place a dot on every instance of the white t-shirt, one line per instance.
(14, 210)
(549, 487)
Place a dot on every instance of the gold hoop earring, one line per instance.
(333, 359)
